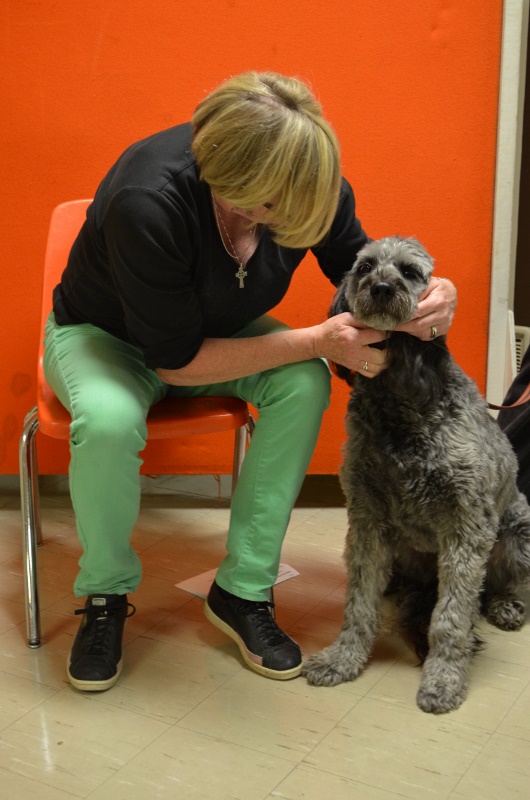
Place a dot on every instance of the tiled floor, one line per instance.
(188, 720)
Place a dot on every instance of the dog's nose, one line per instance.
(382, 290)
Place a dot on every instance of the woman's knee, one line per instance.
(111, 422)
(314, 379)
(306, 382)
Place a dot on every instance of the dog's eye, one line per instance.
(364, 269)
(408, 272)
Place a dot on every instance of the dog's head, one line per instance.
(383, 287)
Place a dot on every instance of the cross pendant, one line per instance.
(241, 274)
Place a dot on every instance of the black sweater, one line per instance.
(149, 266)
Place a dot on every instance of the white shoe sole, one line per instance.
(93, 686)
(285, 675)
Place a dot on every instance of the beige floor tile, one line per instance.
(56, 574)
(74, 744)
(321, 528)
(183, 555)
(195, 633)
(165, 682)
(59, 533)
(287, 617)
(513, 646)
(300, 594)
(157, 523)
(326, 571)
(11, 613)
(400, 750)
(502, 770)
(301, 514)
(321, 625)
(187, 488)
(16, 787)
(221, 731)
(193, 766)
(10, 517)
(517, 720)
(315, 633)
(494, 688)
(332, 606)
(318, 539)
(189, 504)
(46, 664)
(18, 696)
(305, 783)
(9, 550)
(191, 608)
(286, 719)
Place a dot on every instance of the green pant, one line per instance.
(108, 390)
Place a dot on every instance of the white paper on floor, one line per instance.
(200, 584)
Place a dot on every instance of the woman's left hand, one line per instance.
(435, 311)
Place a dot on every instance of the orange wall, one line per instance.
(411, 89)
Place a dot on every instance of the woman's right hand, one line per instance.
(345, 341)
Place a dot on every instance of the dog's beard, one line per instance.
(383, 316)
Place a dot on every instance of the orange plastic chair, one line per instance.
(168, 419)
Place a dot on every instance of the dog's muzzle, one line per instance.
(382, 291)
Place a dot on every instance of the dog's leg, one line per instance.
(369, 560)
(461, 570)
(509, 569)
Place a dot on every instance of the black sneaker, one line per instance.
(264, 646)
(94, 663)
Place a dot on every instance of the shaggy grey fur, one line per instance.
(429, 480)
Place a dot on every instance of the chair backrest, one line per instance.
(65, 224)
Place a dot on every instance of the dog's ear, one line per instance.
(342, 372)
(339, 305)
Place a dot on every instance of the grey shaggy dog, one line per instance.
(429, 480)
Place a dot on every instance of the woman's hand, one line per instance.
(345, 341)
(435, 311)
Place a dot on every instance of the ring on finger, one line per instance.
(365, 366)
(434, 332)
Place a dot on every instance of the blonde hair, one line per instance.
(261, 137)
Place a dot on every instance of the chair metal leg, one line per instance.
(243, 436)
(29, 498)
(35, 489)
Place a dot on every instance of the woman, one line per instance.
(192, 238)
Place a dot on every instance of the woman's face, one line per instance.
(252, 214)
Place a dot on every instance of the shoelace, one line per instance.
(261, 615)
(100, 621)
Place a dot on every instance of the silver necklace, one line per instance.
(241, 274)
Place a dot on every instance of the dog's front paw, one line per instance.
(330, 667)
(506, 613)
(438, 695)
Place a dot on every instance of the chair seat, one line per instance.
(169, 419)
